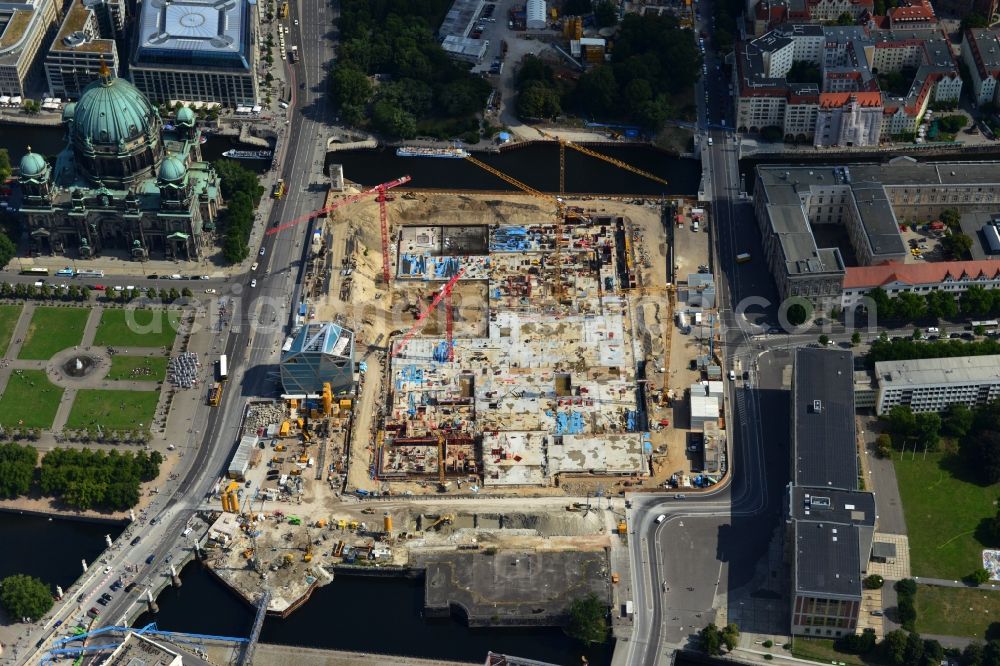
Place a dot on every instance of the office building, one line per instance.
(76, 56)
(197, 51)
(869, 201)
(848, 119)
(931, 384)
(896, 278)
(315, 354)
(831, 524)
(25, 30)
(123, 185)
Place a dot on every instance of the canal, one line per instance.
(362, 614)
(535, 164)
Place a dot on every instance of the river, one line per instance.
(50, 549)
(536, 165)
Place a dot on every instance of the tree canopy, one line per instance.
(242, 191)
(25, 596)
(653, 60)
(417, 88)
(17, 469)
(587, 621)
(88, 479)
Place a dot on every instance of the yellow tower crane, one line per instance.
(560, 215)
(563, 143)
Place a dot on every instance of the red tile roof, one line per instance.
(923, 273)
(839, 99)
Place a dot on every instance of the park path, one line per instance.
(90, 330)
(16, 341)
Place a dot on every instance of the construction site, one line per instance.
(507, 346)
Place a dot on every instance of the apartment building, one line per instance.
(848, 58)
(831, 523)
(896, 278)
(176, 58)
(25, 29)
(76, 56)
(848, 119)
(981, 54)
(931, 384)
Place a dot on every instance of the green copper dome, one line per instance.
(111, 111)
(185, 116)
(172, 169)
(32, 164)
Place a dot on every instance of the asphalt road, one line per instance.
(263, 315)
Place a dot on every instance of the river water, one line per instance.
(536, 165)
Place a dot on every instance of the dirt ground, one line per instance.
(361, 302)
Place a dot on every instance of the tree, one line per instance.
(972, 655)
(845, 19)
(855, 339)
(953, 123)
(979, 576)
(873, 582)
(910, 306)
(577, 7)
(883, 446)
(17, 469)
(804, 71)
(186, 292)
(5, 168)
(796, 314)
(956, 245)
(7, 248)
(927, 427)
(731, 636)
(901, 421)
(587, 622)
(538, 101)
(933, 653)
(25, 596)
(710, 639)
(893, 647)
(984, 452)
(350, 86)
(862, 643)
(976, 300)
(597, 91)
(941, 305)
(973, 21)
(605, 14)
(914, 648)
(824, 339)
(951, 218)
(956, 420)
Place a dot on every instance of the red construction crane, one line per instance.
(449, 318)
(445, 292)
(379, 191)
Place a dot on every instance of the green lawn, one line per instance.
(29, 397)
(137, 328)
(53, 329)
(122, 367)
(114, 410)
(956, 611)
(820, 650)
(942, 514)
(8, 320)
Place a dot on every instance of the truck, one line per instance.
(215, 394)
(629, 609)
(293, 54)
(743, 257)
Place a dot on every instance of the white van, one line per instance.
(732, 375)
(660, 518)
(283, 104)
(710, 141)
(695, 226)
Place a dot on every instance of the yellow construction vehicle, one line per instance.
(442, 520)
(303, 457)
(353, 525)
(279, 448)
(327, 399)
(308, 555)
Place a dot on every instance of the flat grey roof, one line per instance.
(957, 370)
(195, 33)
(825, 454)
(826, 559)
(845, 507)
(877, 219)
(459, 18)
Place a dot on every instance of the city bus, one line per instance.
(35, 270)
(743, 257)
(90, 274)
(223, 368)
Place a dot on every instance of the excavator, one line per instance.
(443, 519)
